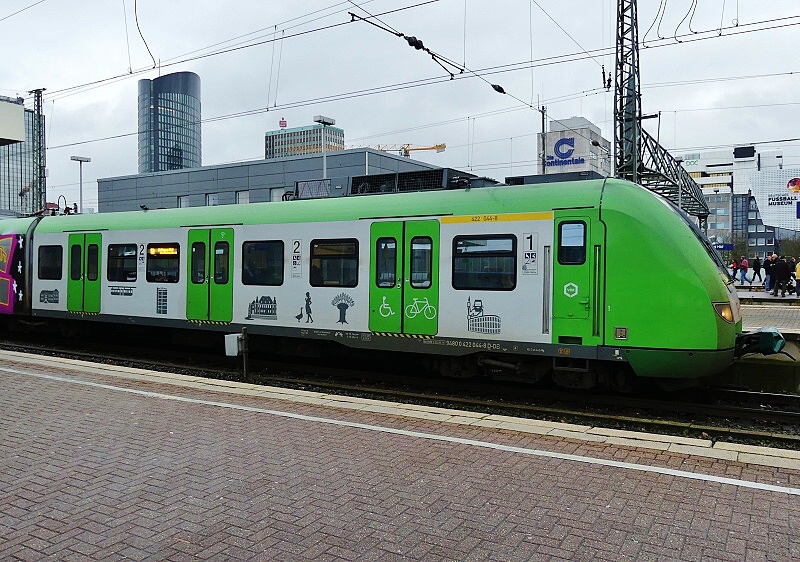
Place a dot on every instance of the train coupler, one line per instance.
(766, 341)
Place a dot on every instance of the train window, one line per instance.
(572, 243)
(51, 260)
(121, 262)
(163, 263)
(198, 263)
(75, 265)
(386, 262)
(92, 262)
(421, 262)
(262, 262)
(221, 253)
(334, 263)
(486, 263)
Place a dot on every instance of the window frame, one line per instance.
(562, 249)
(323, 261)
(222, 262)
(123, 259)
(427, 282)
(259, 280)
(473, 278)
(151, 257)
(41, 260)
(381, 261)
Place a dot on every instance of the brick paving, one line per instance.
(90, 473)
(784, 317)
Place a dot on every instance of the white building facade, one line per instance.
(298, 141)
(573, 145)
(748, 195)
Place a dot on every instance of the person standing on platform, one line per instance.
(743, 267)
(756, 265)
(796, 277)
(769, 263)
(781, 273)
(734, 268)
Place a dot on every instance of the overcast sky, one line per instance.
(721, 74)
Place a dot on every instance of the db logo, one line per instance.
(561, 151)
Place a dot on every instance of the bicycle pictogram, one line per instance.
(421, 306)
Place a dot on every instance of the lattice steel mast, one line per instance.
(39, 153)
(639, 157)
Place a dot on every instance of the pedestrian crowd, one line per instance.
(780, 273)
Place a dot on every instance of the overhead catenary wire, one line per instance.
(20, 11)
(63, 92)
(557, 59)
(136, 17)
(504, 68)
(127, 38)
(432, 81)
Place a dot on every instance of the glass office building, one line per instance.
(169, 123)
(18, 190)
(302, 140)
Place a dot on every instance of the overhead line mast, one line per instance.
(639, 157)
(39, 153)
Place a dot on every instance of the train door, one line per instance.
(404, 277)
(577, 277)
(83, 281)
(209, 291)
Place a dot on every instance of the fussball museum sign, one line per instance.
(777, 193)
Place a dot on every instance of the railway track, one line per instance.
(716, 414)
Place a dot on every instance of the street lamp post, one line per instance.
(324, 121)
(607, 158)
(80, 160)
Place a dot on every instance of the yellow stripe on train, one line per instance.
(503, 217)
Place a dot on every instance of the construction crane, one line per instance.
(405, 149)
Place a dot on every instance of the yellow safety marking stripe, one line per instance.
(543, 216)
(396, 335)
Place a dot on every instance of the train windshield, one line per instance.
(709, 247)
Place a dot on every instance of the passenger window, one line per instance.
(262, 262)
(92, 262)
(386, 262)
(221, 263)
(421, 262)
(486, 263)
(75, 265)
(163, 263)
(121, 262)
(572, 243)
(51, 260)
(198, 263)
(334, 263)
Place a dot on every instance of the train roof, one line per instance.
(499, 199)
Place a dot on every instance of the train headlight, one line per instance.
(724, 311)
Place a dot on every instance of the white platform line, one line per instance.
(428, 436)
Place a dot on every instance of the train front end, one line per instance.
(14, 278)
(670, 303)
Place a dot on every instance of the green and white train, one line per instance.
(587, 282)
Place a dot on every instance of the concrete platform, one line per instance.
(103, 463)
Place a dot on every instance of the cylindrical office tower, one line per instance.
(169, 123)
